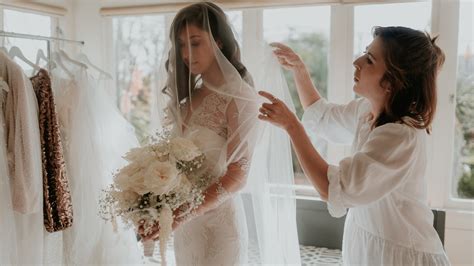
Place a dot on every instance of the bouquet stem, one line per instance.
(148, 247)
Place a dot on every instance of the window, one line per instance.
(14, 21)
(413, 15)
(305, 30)
(139, 46)
(462, 185)
(235, 19)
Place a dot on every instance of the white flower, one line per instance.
(161, 149)
(136, 154)
(130, 178)
(184, 149)
(161, 177)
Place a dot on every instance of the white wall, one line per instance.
(459, 237)
(90, 27)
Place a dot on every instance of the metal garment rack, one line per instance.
(39, 37)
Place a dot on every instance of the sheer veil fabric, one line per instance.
(212, 98)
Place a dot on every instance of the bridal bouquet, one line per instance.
(159, 178)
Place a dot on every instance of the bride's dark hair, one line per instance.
(217, 22)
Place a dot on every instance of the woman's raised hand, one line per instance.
(286, 56)
(277, 112)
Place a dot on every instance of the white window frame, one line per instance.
(445, 22)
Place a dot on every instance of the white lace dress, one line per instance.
(218, 237)
(95, 136)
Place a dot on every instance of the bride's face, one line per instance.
(196, 49)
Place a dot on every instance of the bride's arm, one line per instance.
(238, 154)
(239, 150)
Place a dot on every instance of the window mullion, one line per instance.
(252, 33)
(445, 23)
(341, 46)
(1, 18)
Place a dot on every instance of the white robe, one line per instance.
(382, 183)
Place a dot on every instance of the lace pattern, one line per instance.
(219, 236)
(244, 164)
(212, 114)
(222, 193)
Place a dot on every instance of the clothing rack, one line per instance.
(36, 37)
(39, 37)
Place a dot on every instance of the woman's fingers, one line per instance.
(269, 106)
(264, 118)
(285, 56)
(266, 112)
(269, 96)
(280, 46)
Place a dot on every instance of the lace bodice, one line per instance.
(211, 114)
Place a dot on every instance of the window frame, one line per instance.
(445, 23)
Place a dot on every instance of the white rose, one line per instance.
(162, 148)
(184, 149)
(129, 177)
(161, 177)
(136, 154)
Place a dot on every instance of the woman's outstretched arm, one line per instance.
(307, 91)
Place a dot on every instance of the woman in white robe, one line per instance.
(382, 182)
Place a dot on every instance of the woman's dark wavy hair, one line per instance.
(200, 14)
(412, 59)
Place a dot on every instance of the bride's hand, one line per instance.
(286, 56)
(153, 235)
(277, 112)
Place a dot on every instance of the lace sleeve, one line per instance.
(238, 158)
(222, 194)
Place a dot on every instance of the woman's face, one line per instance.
(196, 49)
(369, 70)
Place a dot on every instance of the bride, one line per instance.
(212, 101)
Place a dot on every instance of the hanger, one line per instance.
(83, 58)
(61, 64)
(16, 52)
(40, 55)
(63, 54)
